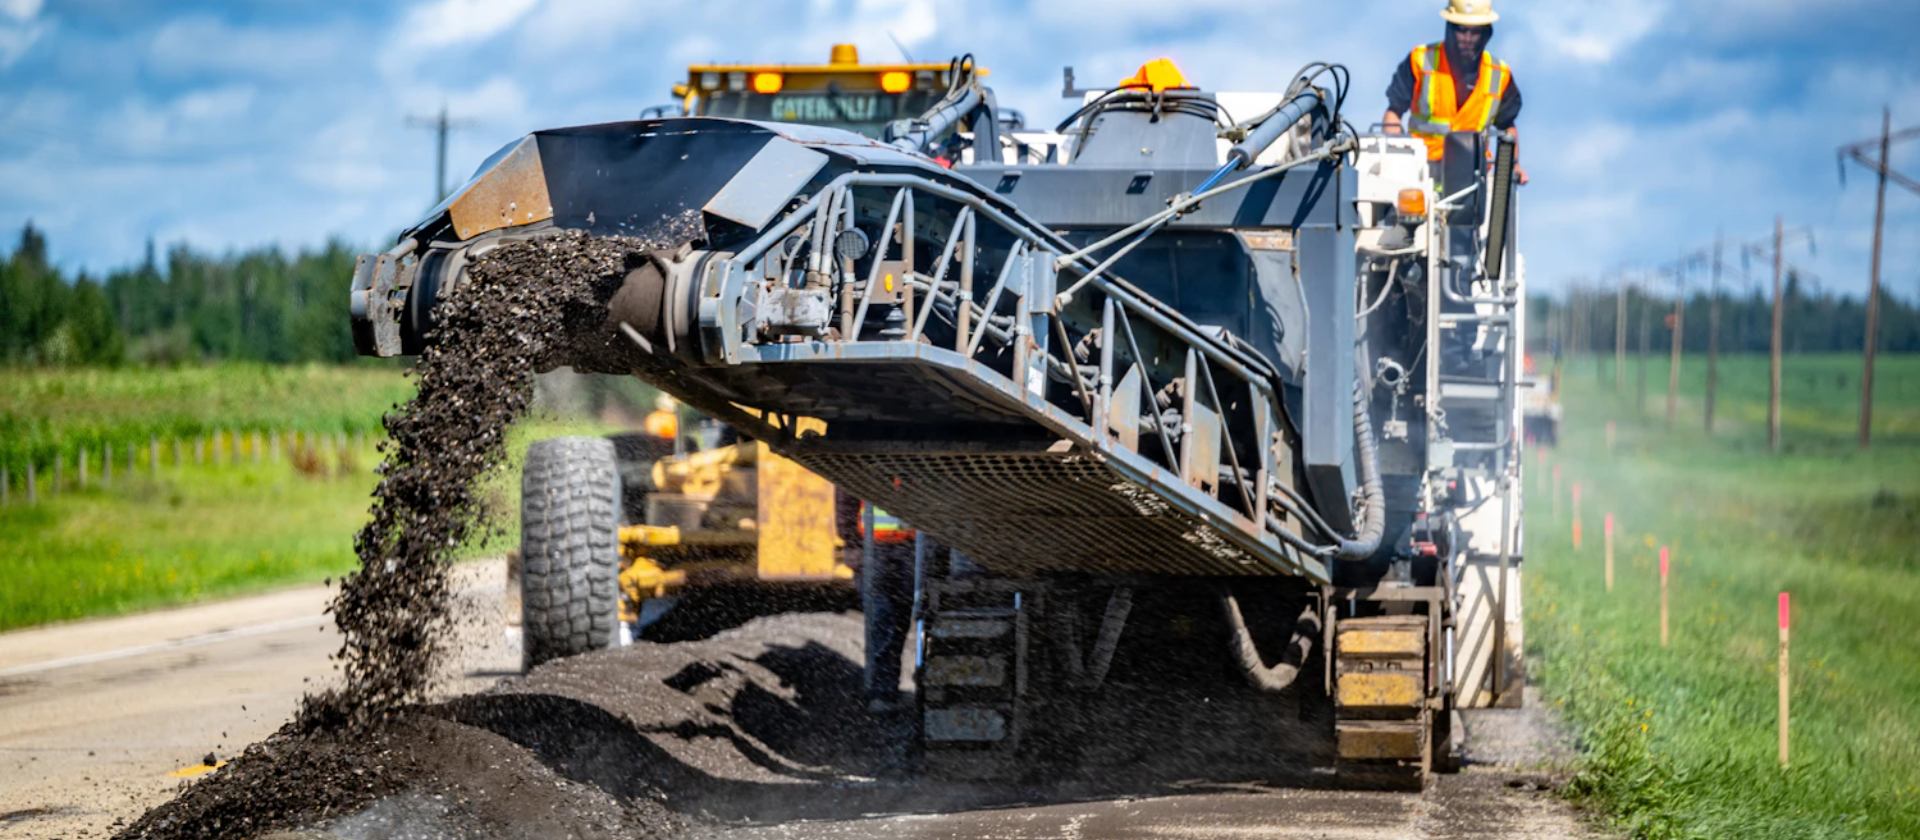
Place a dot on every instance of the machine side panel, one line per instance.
(1325, 257)
(763, 187)
(1114, 197)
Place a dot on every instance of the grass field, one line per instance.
(194, 531)
(46, 413)
(1681, 741)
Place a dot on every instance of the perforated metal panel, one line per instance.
(1029, 513)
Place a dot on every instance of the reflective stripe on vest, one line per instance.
(1433, 112)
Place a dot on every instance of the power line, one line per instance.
(441, 126)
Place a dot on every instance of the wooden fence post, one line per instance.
(1784, 612)
(1556, 492)
(1663, 596)
(1576, 516)
(1609, 547)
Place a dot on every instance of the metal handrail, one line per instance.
(1243, 364)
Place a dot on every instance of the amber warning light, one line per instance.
(895, 81)
(767, 82)
(1412, 203)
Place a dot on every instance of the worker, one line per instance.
(1455, 85)
(886, 596)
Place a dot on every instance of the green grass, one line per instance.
(196, 531)
(46, 413)
(1682, 741)
(180, 535)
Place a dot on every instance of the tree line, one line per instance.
(260, 305)
(1813, 321)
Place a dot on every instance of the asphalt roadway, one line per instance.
(100, 720)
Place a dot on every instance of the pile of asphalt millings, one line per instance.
(523, 308)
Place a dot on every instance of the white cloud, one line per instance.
(448, 23)
(1592, 31)
(215, 103)
(872, 21)
(20, 35)
(1595, 149)
(497, 97)
(207, 45)
(20, 9)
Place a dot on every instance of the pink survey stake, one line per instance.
(1783, 611)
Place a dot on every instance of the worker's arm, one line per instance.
(1399, 98)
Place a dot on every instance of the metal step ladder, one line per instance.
(972, 674)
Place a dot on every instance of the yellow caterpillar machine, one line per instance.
(842, 93)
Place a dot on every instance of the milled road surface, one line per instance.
(743, 736)
(97, 716)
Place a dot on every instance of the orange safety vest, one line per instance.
(1433, 112)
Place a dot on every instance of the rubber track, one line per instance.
(569, 548)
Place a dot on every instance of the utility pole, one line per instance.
(1713, 331)
(1679, 323)
(1640, 400)
(1884, 168)
(441, 126)
(1773, 383)
(1620, 334)
(1572, 339)
(1592, 329)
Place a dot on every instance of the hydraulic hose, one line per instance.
(1275, 678)
(1270, 129)
(1373, 516)
(1262, 136)
(963, 97)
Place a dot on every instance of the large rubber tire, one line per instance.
(569, 548)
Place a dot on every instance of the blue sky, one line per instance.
(1649, 125)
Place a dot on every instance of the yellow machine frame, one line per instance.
(791, 538)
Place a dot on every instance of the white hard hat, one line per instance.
(664, 402)
(1470, 12)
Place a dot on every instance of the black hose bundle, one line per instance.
(1274, 678)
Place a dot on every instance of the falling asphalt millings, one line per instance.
(523, 308)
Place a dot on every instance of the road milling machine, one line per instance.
(1188, 409)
